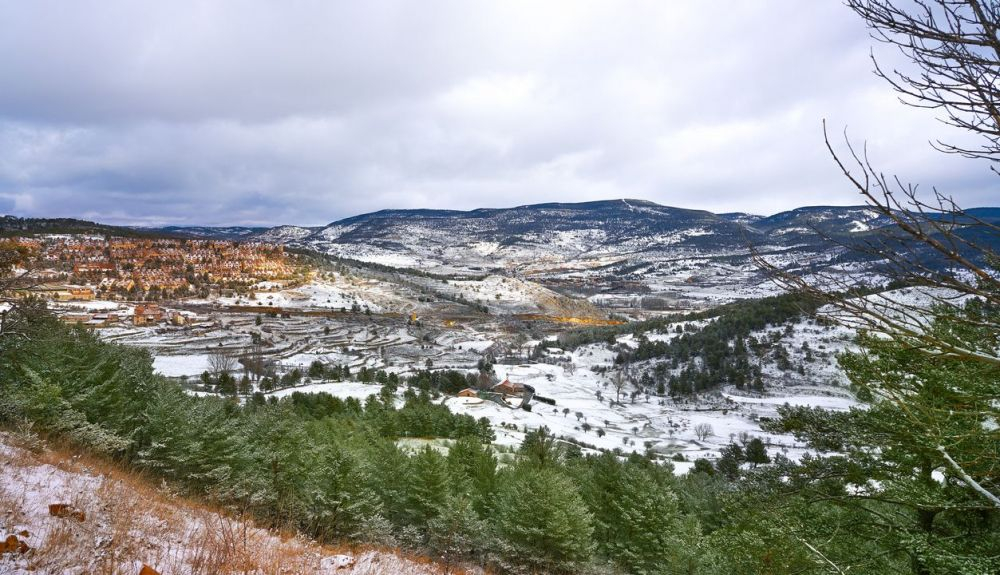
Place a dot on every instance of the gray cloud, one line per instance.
(307, 111)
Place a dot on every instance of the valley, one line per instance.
(357, 378)
(510, 303)
(500, 288)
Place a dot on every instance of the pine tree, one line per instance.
(539, 447)
(637, 522)
(474, 468)
(756, 452)
(388, 468)
(457, 532)
(918, 461)
(428, 486)
(541, 514)
(341, 503)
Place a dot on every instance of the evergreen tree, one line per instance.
(756, 453)
(474, 468)
(637, 522)
(540, 513)
(918, 461)
(388, 468)
(341, 503)
(428, 486)
(730, 459)
(540, 448)
(457, 532)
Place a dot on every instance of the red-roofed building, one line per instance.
(506, 387)
(147, 314)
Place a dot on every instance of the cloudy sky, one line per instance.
(305, 112)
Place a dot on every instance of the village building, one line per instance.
(147, 314)
(507, 387)
(102, 320)
(83, 294)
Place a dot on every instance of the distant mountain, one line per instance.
(741, 218)
(285, 234)
(221, 233)
(610, 222)
(606, 242)
(13, 226)
(827, 219)
(617, 246)
(985, 214)
(613, 230)
(606, 222)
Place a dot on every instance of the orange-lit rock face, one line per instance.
(573, 320)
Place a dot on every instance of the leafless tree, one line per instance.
(569, 368)
(619, 381)
(702, 431)
(220, 361)
(252, 358)
(933, 246)
(955, 48)
(932, 242)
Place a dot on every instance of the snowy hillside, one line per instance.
(569, 232)
(615, 252)
(78, 515)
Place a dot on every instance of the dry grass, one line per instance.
(130, 522)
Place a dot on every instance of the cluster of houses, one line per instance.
(73, 293)
(69, 269)
(506, 393)
(142, 315)
(58, 292)
(119, 264)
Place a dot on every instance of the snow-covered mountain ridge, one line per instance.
(612, 252)
(586, 235)
(655, 249)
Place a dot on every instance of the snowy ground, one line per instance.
(447, 340)
(648, 423)
(181, 365)
(508, 295)
(93, 306)
(572, 379)
(341, 389)
(322, 294)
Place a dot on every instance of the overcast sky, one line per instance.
(305, 112)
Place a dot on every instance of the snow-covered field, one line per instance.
(446, 335)
(583, 394)
(181, 365)
(579, 382)
(338, 293)
(94, 306)
(341, 389)
(647, 423)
